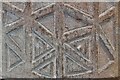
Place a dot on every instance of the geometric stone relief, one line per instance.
(56, 40)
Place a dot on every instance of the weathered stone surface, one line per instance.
(56, 40)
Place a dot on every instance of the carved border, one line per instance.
(0, 40)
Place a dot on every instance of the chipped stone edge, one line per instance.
(60, 0)
(0, 40)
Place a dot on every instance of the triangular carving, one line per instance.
(82, 46)
(17, 36)
(45, 70)
(37, 5)
(10, 17)
(71, 23)
(13, 59)
(40, 47)
(103, 61)
(73, 68)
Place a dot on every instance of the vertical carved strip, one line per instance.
(59, 32)
(118, 36)
(116, 40)
(0, 39)
(28, 36)
(115, 27)
(94, 36)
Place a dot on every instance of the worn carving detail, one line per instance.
(106, 36)
(77, 47)
(75, 44)
(14, 35)
(42, 46)
(59, 39)
(13, 59)
(15, 39)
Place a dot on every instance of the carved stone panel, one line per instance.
(57, 40)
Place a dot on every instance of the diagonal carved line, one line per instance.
(45, 53)
(8, 37)
(43, 8)
(14, 25)
(69, 6)
(103, 35)
(42, 55)
(83, 33)
(105, 66)
(45, 28)
(81, 37)
(43, 11)
(46, 62)
(41, 65)
(14, 42)
(78, 74)
(108, 13)
(39, 28)
(43, 39)
(79, 53)
(42, 75)
(80, 63)
(18, 62)
(105, 48)
(82, 15)
(89, 69)
(78, 29)
(12, 8)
